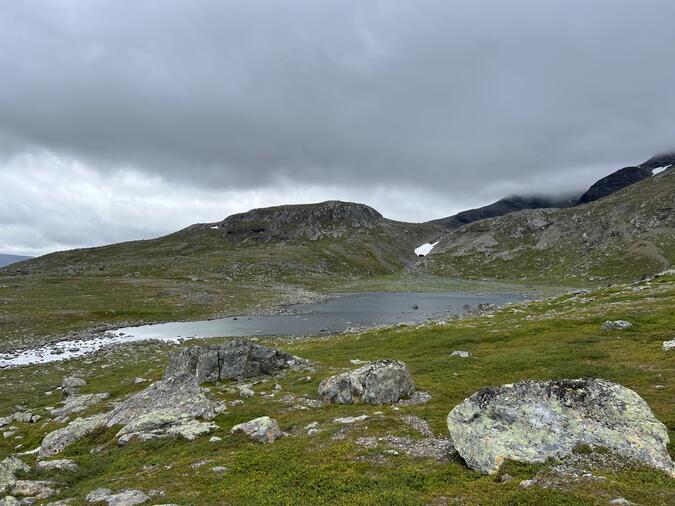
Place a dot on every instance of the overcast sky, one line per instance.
(130, 119)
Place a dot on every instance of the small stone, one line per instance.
(668, 345)
(139, 380)
(461, 354)
(123, 498)
(215, 439)
(219, 469)
(245, 392)
(505, 478)
(525, 484)
(616, 325)
(620, 501)
(351, 419)
(57, 465)
(73, 382)
(263, 429)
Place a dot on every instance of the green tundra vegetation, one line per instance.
(556, 337)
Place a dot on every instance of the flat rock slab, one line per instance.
(172, 403)
(235, 359)
(535, 421)
(381, 382)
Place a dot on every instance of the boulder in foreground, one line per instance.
(234, 359)
(381, 382)
(534, 421)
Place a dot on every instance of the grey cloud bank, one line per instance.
(216, 107)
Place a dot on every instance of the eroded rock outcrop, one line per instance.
(381, 382)
(235, 359)
(165, 408)
(534, 421)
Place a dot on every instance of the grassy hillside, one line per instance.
(247, 263)
(556, 338)
(623, 236)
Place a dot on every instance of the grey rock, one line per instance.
(165, 408)
(152, 421)
(73, 382)
(351, 419)
(179, 394)
(263, 429)
(461, 354)
(234, 359)
(616, 325)
(9, 468)
(78, 403)
(534, 421)
(435, 448)
(415, 399)
(246, 392)
(33, 488)
(620, 501)
(56, 441)
(123, 498)
(9, 501)
(219, 469)
(381, 382)
(668, 345)
(57, 465)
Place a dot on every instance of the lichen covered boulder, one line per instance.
(534, 421)
(166, 407)
(234, 359)
(179, 394)
(381, 382)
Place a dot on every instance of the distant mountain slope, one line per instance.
(10, 259)
(501, 207)
(626, 234)
(601, 188)
(284, 243)
(615, 182)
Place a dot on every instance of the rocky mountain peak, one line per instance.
(306, 221)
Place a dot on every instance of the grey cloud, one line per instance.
(433, 94)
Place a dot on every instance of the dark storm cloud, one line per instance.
(435, 94)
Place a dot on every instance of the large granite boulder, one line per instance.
(381, 382)
(235, 359)
(534, 421)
